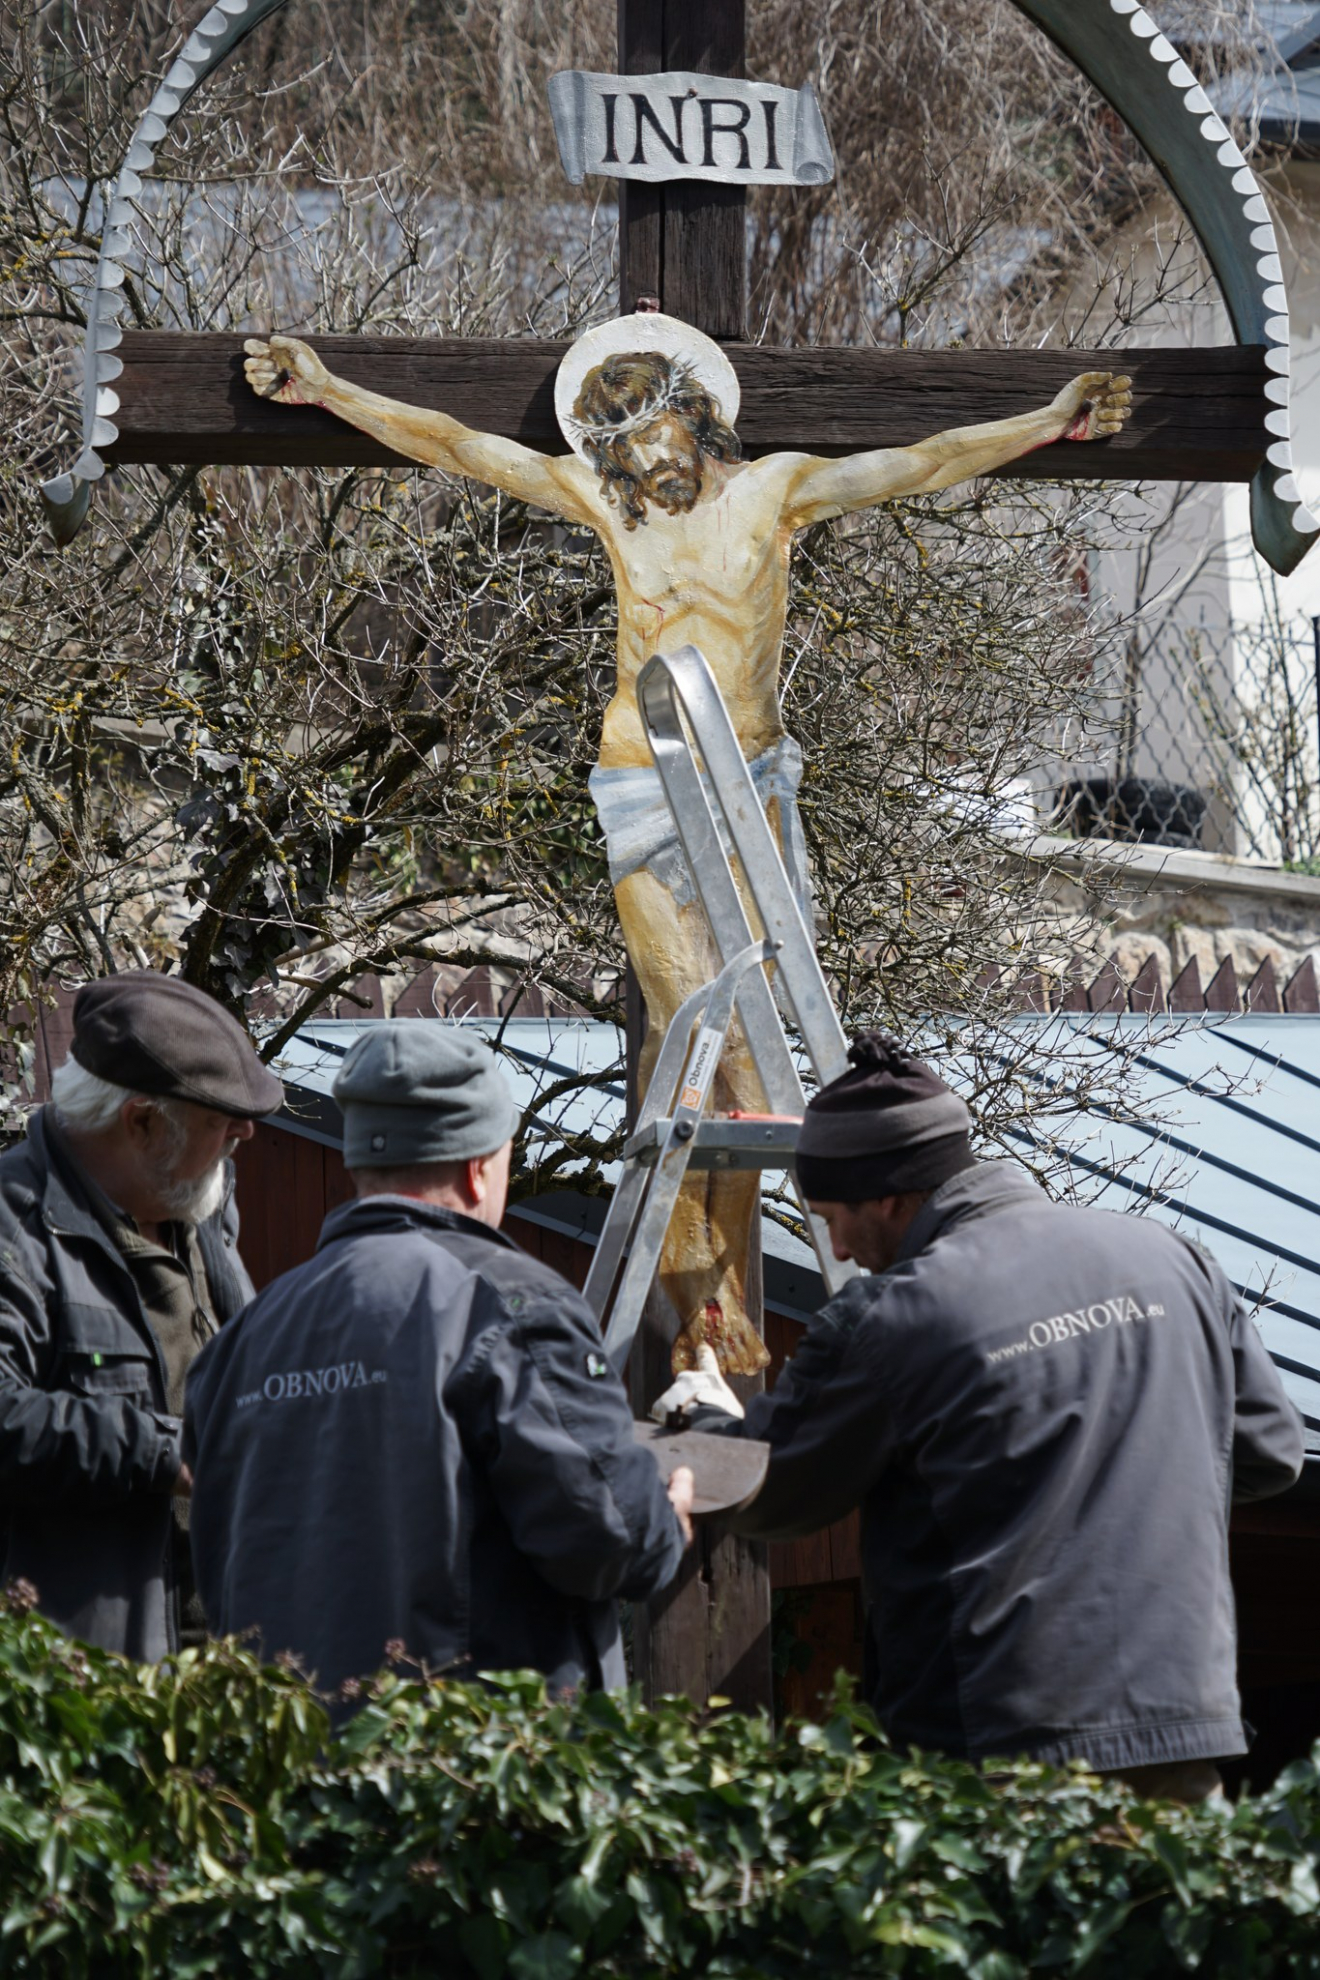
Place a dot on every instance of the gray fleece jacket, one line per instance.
(1044, 1414)
(415, 1440)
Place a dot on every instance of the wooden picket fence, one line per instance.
(484, 992)
(1145, 995)
(437, 991)
(440, 991)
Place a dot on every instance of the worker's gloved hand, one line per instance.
(702, 1384)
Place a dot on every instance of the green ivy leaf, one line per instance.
(549, 1956)
(907, 1835)
(581, 1905)
(484, 1942)
(1100, 1927)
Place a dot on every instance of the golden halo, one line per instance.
(699, 354)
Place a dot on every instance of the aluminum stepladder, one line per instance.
(671, 1135)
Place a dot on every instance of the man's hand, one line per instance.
(182, 1486)
(681, 1489)
(702, 1384)
(1094, 406)
(286, 370)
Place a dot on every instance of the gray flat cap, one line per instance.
(155, 1034)
(420, 1090)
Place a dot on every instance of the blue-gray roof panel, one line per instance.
(1221, 1137)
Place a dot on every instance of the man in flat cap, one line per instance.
(117, 1260)
(1043, 1413)
(412, 1449)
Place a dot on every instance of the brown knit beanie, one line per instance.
(887, 1126)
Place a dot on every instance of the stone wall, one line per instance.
(1177, 918)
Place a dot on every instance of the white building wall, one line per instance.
(1206, 618)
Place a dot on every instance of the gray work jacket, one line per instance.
(413, 1447)
(88, 1450)
(1044, 1414)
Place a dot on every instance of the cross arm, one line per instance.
(1197, 414)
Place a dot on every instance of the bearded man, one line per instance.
(699, 542)
(118, 1261)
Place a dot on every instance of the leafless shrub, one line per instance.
(279, 728)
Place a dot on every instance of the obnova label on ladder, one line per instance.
(702, 1069)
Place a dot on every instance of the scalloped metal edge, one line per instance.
(1159, 99)
(1208, 176)
(67, 497)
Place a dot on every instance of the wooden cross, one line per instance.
(183, 399)
(1197, 414)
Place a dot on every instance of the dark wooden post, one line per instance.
(685, 244)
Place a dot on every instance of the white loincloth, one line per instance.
(640, 831)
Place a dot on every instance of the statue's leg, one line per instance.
(704, 1261)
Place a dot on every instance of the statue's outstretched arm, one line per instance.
(290, 372)
(1093, 406)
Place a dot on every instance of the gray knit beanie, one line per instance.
(421, 1090)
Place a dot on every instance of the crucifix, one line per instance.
(682, 253)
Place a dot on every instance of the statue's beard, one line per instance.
(672, 485)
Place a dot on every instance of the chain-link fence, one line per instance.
(1215, 742)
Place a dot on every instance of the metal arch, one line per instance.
(217, 34)
(1116, 46)
(1119, 48)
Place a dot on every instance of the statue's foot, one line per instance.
(738, 1348)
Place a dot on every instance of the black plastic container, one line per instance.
(1138, 808)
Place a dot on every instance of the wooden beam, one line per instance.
(684, 242)
(641, 206)
(704, 279)
(1197, 415)
(685, 245)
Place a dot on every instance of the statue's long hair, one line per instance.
(630, 389)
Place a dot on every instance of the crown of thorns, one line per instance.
(682, 381)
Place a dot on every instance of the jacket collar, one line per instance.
(976, 1192)
(66, 1212)
(382, 1214)
(64, 1201)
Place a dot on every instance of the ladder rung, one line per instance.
(723, 1144)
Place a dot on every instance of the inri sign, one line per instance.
(684, 126)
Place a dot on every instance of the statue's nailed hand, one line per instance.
(286, 370)
(1094, 406)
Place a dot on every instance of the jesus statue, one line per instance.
(698, 540)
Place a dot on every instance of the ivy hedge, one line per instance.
(201, 1819)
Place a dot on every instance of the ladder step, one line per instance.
(767, 1142)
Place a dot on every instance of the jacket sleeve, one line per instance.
(1268, 1446)
(58, 1444)
(553, 1433)
(827, 1424)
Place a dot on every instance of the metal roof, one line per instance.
(1285, 105)
(1220, 1137)
(1293, 26)
(1286, 29)
(1284, 101)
